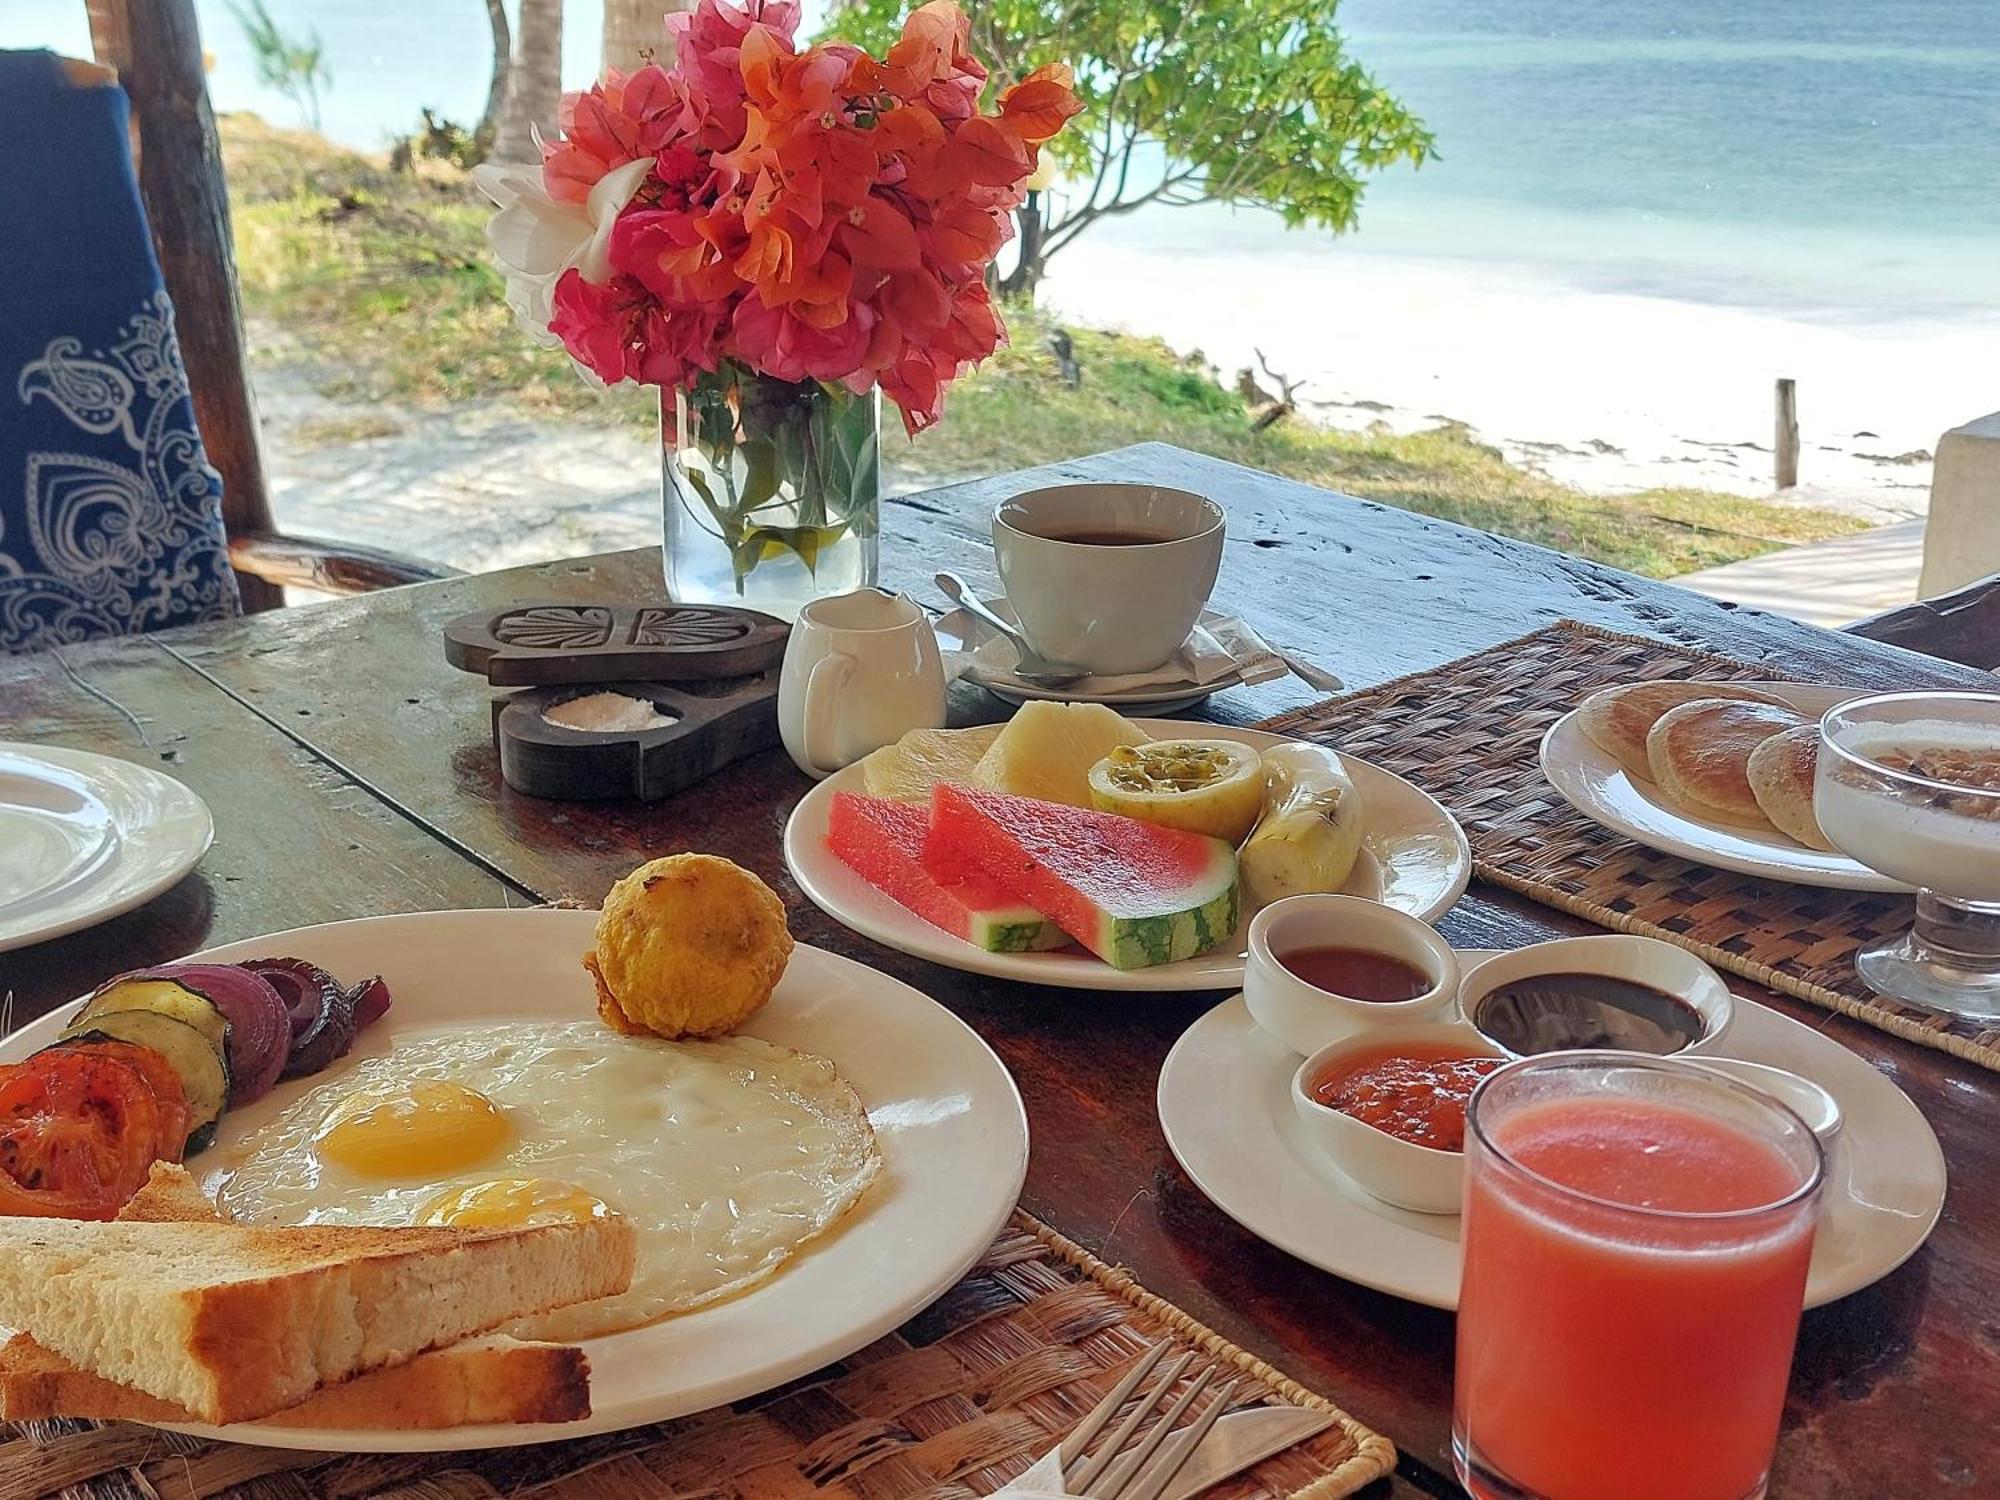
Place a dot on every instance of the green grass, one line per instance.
(383, 279)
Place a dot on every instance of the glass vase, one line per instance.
(770, 490)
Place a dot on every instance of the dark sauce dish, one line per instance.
(1626, 994)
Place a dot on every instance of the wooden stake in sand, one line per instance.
(1788, 433)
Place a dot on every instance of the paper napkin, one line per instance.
(1044, 1481)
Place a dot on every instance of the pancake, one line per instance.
(1700, 755)
(1781, 778)
(1618, 719)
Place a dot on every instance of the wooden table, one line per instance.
(350, 773)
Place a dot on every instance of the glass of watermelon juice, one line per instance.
(1636, 1237)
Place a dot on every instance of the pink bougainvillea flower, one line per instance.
(596, 321)
(1040, 105)
(625, 117)
(619, 331)
(812, 214)
(777, 342)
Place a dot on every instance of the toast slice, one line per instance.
(495, 1380)
(171, 1196)
(229, 1322)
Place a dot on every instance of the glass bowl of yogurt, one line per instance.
(1909, 784)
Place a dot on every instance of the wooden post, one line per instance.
(1787, 445)
(156, 47)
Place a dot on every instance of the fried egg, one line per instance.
(727, 1156)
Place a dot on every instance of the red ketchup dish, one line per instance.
(1387, 1108)
(1417, 1094)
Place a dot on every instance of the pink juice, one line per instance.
(1628, 1356)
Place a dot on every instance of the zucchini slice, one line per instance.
(203, 1073)
(167, 997)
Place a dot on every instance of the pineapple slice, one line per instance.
(907, 770)
(1047, 750)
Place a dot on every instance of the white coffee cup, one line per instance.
(1108, 607)
(860, 671)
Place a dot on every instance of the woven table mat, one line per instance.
(1470, 732)
(961, 1399)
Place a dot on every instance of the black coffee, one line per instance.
(1108, 538)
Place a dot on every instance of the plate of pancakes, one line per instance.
(1716, 772)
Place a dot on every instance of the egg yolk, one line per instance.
(422, 1128)
(513, 1203)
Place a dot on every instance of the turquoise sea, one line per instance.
(1711, 149)
(1828, 155)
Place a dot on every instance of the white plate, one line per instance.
(953, 1136)
(84, 837)
(1226, 1109)
(1414, 857)
(1596, 785)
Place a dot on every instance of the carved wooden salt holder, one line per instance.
(712, 670)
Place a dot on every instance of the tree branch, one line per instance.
(1110, 125)
(1074, 224)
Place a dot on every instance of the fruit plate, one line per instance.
(947, 1118)
(1593, 782)
(1226, 1110)
(1414, 857)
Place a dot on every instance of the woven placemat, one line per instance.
(951, 1406)
(1469, 733)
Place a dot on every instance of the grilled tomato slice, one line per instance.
(79, 1132)
(165, 1083)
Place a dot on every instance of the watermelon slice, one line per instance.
(1133, 893)
(883, 842)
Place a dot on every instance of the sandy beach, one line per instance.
(1609, 390)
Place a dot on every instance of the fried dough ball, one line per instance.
(687, 946)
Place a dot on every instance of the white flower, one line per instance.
(536, 239)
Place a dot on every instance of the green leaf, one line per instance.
(864, 486)
(760, 479)
(725, 520)
(763, 543)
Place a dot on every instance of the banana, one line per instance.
(1310, 833)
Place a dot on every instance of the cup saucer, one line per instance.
(1011, 689)
(1222, 653)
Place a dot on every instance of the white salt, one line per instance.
(606, 713)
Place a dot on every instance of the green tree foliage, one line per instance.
(293, 65)
(1235, 101)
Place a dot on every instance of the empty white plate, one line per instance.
(84, 837)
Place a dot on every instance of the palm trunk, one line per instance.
(534, 83)
(635, 32)
(496, 88)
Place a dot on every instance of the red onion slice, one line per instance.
(322, 1016)
(259, 1031)
(370, 1000)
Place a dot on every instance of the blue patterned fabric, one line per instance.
(110, 516)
